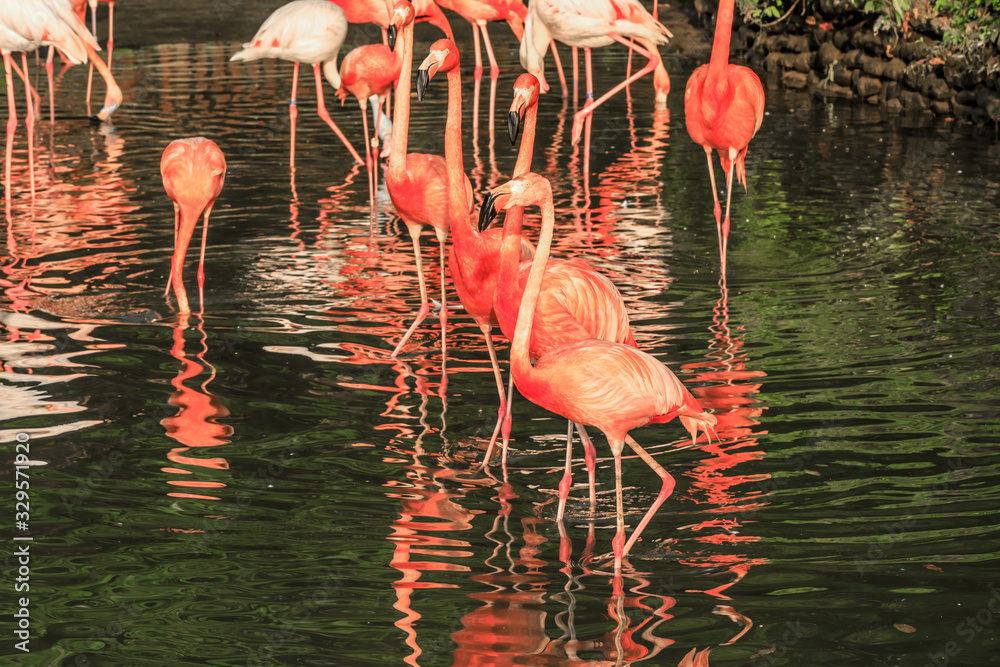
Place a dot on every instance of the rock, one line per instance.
(788, 60)
(913, 51)
(836, 7)
(989, 100)
(941, 107)
(827, 55)
(841, 39)
(979, 116)
(803, 62)
(962, 112)
(873, 100)
(912, 100)
(852, 58)
(966, 97)
(872, 65)
(772, 63)
(913, 76)
(935, 88)
(833, 90)
(821, 36)
(869, 41)
(893, 106)
(798, 43)
(868, 86)
(890, 91)
(841, 75)
(894, 69)
(795, 80)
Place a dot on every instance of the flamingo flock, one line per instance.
(573, 351)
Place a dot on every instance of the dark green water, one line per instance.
(265, 486)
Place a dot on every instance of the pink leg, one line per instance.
(373, 232)
(618, 543)
(587, 110)
(113, 95)
(666, 489)
(369, 167)
(201, 262)
(589, 102)
(11, 126)
(293, 112)
(559, 69)
(590, 456)
(111, 30)
(567, 479)
(90, 86)
(576, 78)
(442, 239)
(177, 217)
(29, 122)
(48, 72)
(498, 376)
(494, 75)
(724, 233)
(325, 115)
(504, 429)
(715, 196)
(425, 305)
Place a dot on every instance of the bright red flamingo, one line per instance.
(610, 385)
(25, 27)
(193, 172)
(590, 24)
(380, 11)
(479, 13)
(475, 256)
(723, 109)
(303, 31)
(417, 182)
(368, 73)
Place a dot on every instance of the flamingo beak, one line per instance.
(423, 78)
(391, 31)
(487, 211)
(514, 123)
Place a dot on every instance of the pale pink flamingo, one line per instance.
(610, 385)
(418, 182)
(479, 13)
(475, 256)
(303, 31)
(25, 27)
(193, 172)
(590, 24)
(723, 109)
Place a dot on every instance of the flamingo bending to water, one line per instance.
(193, 172)
(723, 109)
(610, 385)
(303, 31)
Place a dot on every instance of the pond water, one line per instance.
(263, 485)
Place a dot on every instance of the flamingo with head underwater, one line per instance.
(723, 109)
(193, 171)
(601, 383)
(303, 31)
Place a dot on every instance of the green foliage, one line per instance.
(973, 23)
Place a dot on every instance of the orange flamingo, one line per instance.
(610, 385)
(368, 73)
(417, 182)
(474, 256)
(380, 11)
(723, 109)
(193, 172)
(589, 25)
(303, 31)
(478, 13)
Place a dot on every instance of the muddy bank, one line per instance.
(835, 52)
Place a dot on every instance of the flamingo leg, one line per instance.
(477, 76)
(293, 112)
(201, 262)
(724, 233)
(567, 479)
(590, 456)
(498, 376)
(48, 71)
(369, 166)
(442, 239)
(11, 126)
(325, 115)
(177, 216)
(425, 305)
(665, 490)
(589, 102)
(559, 68)
(715, 195)
(111, 30)
(576, 78)
(504, 429)
(113, 95)
(29, 122)
(618, 543)
(579, 117)
(494, 75)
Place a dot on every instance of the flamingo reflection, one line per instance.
(196, 423)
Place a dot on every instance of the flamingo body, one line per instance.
(380, 11)
(193, 172)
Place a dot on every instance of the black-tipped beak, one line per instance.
(391, 32)
(422, 78)
(513, 126)
(487, 212)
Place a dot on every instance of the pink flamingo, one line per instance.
(417, 182)
(479, 13)
(193, 172)
(590, 24)
(380, 11)
(303, 31)
(610, 385)
(723, 109)
(474, 256)
(368, 73)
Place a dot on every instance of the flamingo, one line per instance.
(723, 109)
(417, 182)
(25, 27)
(368, 73)
(193, 172)
(589, 24)
(380, 11)
(303, 31)
(601, 383)
(478, 13)
(474, 256)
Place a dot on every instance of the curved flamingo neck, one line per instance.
(520, 362)
(401, 115)
(454, 160)
(514, 219)
(723, 33)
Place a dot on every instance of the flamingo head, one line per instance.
(402, 15)
(528, 189)
(526, 90)
(443, 57)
